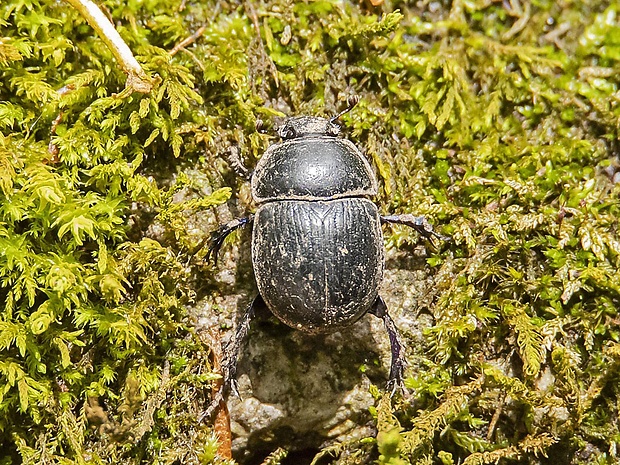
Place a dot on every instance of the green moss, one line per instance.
(497, 120)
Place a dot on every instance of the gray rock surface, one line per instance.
(302, 392)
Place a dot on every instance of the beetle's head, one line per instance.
(300, 126)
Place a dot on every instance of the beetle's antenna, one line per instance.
(351, 102)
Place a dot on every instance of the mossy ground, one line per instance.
(497, 120)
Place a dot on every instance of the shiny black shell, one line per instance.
(318, 264)
(317, 244)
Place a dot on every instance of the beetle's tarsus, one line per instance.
(218, 237)
(397, 367)
(418, 223)
(396, 385)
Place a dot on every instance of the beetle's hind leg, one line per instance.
(231, 354)
(234, 346)
(419, 223)
(218, 237)
(397, 368)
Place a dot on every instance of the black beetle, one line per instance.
(317, 244)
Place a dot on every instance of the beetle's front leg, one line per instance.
(218, 237)
(419, 223)
(397, 367)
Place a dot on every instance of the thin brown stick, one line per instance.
(496, 415)
(137, 79)
(52, 149)
(188, 40)
(195, 59)
(195, 36)
(221, 421)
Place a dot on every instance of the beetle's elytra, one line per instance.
(318, 264)
(317, 244)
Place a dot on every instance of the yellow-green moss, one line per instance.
(497, 120)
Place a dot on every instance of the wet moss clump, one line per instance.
(497, 120)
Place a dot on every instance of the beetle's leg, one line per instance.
(235, 162)
(419, 223)
(217, 237)
(231, 353)
(397, 367)
(234, 346)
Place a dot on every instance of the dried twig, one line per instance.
(221, 421)
(188, 40)
(137, 79)
(52, 149)
(496, 415)
(194, 37)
